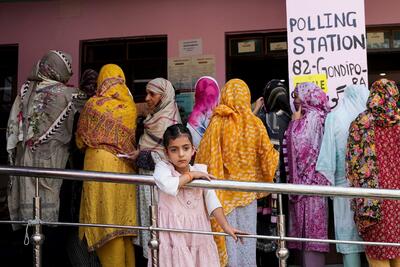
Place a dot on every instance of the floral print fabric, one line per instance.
(308, 215)
(387, 140)
(361, 159)
(305, 136)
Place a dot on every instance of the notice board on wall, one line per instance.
(327, 38)
(183, 73)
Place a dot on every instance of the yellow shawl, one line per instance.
(108, 120)
(236, 147)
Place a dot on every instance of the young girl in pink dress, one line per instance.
(186, 208)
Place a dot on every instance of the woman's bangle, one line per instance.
(190, 175)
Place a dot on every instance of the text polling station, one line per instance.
(327, 44)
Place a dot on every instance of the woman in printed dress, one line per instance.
(106, 132)
(308, 215)
(38, 135)
(373, 161)
(222, 149)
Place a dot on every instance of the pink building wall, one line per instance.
(38, 27)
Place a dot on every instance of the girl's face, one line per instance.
(180, 152)
(152, 99)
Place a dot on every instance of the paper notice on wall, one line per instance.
(184, 72)
(276, 46)
(202, 66)
(191, 47)
(328, 37)
(180, 73)
(375, 38)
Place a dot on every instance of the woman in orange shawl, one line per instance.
(236, 147)
(106, 129)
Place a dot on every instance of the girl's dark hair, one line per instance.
(174, 131)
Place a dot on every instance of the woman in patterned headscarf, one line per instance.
(206, 99)
(106, 129)
(163, 112)
(236, 147)
(373, 161)
(308, 215)
(38, 135)
(39, 132)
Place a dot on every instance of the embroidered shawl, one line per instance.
(304, 137)
(165, 114)
(108, 120)
(47, 103)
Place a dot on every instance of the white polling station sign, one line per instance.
(327, 37)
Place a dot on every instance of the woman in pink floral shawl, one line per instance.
(308, 215)
(373, 161)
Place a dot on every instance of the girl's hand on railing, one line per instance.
(187, 177)
(233, 232)
(202, 175)
(219, 215)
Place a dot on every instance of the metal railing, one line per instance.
(282, 252)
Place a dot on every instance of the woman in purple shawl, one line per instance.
(308, 215)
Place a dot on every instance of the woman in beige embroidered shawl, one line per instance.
(160, 100)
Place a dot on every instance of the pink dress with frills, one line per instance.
(186, 210)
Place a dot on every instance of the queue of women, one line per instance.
(354, 145)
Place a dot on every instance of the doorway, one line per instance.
(257, 58)
(8, 91)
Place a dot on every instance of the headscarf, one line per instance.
(331, 160)
(88, 82)
(276, 97)
(56, 66)
(236, 147)
(361, 159)
(108, 120)
(304, 136)
(206, 99)
(383, 103)
(165, 114)
(53, 68)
